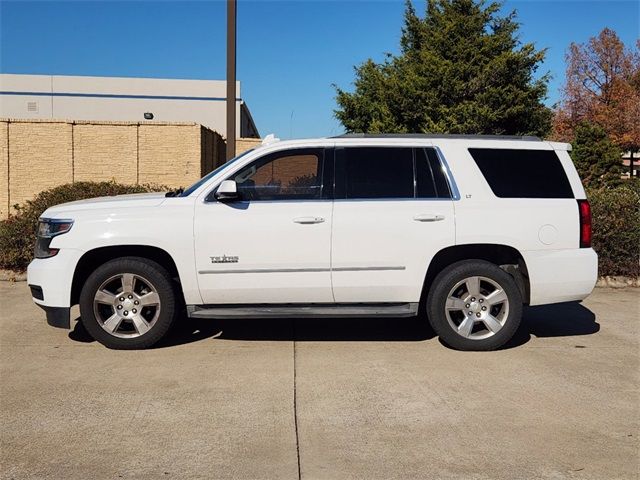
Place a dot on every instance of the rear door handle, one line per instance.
(428, 217)
(308, 220)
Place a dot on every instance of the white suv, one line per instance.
(466, 229)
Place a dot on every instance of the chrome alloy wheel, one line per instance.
(477, 308)
(126, 305)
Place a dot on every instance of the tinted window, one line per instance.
(523, 173)
(288, 175)
(430, 176)
(371, 172)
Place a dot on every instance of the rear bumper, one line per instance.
(561, 275)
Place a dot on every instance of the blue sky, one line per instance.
(289, 53)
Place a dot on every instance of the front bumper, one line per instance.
(59, 317)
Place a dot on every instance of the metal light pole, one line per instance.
(231, 79)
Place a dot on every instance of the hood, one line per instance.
(117, 201)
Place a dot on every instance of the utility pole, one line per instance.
(231, 79)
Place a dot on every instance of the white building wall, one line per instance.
(16, 106)
(125, 99)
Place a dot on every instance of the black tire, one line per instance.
(143, 270)
(449, 278)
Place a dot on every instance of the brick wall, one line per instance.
(105, 152)
(175, 162)
(244, 144)
(213, 150)
(39, 154)
(40, 157)
(4, 169)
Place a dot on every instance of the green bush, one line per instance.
(616, 228)
(18, 232)
(596, 157)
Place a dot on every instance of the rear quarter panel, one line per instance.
(544, 231)
(522, 223)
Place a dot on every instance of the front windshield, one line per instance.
(209, 175)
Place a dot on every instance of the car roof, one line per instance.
(476, 141)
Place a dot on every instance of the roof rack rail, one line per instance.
(528, 138)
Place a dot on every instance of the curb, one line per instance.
(618, 282)
(11, 276)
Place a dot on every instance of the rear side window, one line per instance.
(389, 172)
(515, 173)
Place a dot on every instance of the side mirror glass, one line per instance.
(227, 191)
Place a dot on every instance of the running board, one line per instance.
(353, 310)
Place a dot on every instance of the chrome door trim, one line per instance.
(266, 270)
(453, 186)
(368, 269)
(303, 270)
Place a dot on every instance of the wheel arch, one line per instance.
(98, 256)
(506, 257)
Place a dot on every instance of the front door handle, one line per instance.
(428, 217)
(308, 220)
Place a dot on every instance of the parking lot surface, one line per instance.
(324, 399)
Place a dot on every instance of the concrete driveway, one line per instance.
(327, 399)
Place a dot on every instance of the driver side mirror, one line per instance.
(227, 191)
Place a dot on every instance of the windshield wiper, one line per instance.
(174, 193)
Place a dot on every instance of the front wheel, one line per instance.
(474, 305)
(128, 303)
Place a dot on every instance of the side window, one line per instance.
(372, 172)
(430, 177)
(286, 175)
(513, 173)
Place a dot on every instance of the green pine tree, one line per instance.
(596, 157)
(461, 69)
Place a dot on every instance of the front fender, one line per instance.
(168, 228)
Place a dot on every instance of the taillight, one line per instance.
(584, 210)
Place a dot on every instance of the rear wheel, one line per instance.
(474, 305)
(128, 303)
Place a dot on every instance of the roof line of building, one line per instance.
(113, 95)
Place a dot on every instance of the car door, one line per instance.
(393, 211)
(273, 245)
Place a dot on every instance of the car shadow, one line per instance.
(374, 329)
(560, 320)
(571, 319)
(188, 330)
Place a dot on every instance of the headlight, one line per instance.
(47, 229)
